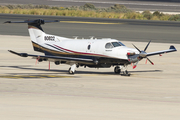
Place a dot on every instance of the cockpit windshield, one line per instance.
(121, 44)
(113, 44)
(116, 44)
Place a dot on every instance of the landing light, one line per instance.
(129, 54)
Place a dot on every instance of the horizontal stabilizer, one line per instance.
(37, 21)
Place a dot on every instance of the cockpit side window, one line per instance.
(108, 46)
(116, 44)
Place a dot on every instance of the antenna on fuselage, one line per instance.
(91, 37)
(75, 37)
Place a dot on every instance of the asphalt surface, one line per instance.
(31, 91)
(137, 5)
(123, 30)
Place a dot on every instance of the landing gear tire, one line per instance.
(117, 70)
(70, 71)
(125, 73)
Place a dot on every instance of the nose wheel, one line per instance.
(72, 69)
(125, 73)
(117, 70)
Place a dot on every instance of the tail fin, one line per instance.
(37, 35)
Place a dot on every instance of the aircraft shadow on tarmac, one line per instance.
(26, 67)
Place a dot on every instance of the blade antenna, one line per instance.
(147, 46)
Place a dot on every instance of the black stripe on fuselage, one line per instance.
(57, 48)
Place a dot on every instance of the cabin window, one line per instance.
(108, 46)
(89, 46)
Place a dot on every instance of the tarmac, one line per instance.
(29, 91)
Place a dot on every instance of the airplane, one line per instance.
(93, 52)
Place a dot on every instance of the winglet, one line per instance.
(172, 47)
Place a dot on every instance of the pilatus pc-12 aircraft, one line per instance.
(93, 53)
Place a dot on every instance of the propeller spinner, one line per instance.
(142, 54)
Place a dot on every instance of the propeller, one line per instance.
(150, 61)
(142, 54)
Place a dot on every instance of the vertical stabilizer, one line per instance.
(37, 36)
(36, 32)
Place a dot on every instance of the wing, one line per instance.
(55, 58)
(171, 49)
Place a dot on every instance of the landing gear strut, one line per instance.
(72, 69)
(118, 69)
(125, 73)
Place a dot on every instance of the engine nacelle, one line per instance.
(133, 59)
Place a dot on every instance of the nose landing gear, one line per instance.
(72, 69)
(118, 69)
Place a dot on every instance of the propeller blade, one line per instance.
(135, 65)
(150, 61)
(147, 46)
(136, 48)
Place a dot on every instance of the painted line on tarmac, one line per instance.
(33, 76)
(89, 22)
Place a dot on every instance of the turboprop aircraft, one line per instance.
(93, 53)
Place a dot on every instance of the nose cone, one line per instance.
(143, 54)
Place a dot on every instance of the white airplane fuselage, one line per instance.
(80, 47)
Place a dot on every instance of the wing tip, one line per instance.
(172, 47)
(7, 22)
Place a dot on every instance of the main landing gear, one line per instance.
(118, 69)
